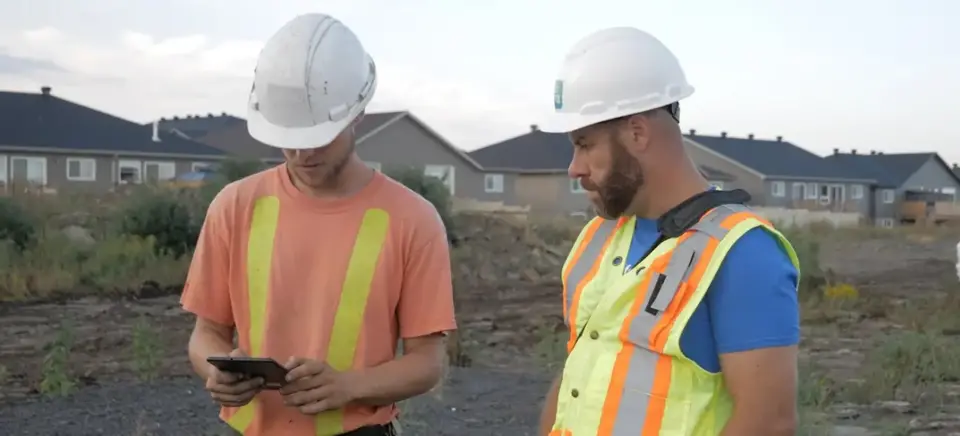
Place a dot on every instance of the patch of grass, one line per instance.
(56, 378)
(551, 346)
(146, 350)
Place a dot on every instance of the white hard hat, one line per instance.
(313, 78)
(613, 73)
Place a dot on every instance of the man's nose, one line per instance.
(577, 169)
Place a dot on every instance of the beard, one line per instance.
(618, 189)
(328, 173)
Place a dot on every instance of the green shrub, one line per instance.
(430, 188)
(16, 225)
(165, 215)
(805, 243)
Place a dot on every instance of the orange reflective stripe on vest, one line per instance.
(583, 266)
(347, 323)
(640, 386)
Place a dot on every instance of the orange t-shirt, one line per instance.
(339, 280)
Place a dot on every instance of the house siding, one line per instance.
(795, 196)
(404, 143)
(930, 176)
(549, 194)
(105, 174)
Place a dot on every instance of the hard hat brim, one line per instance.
(565, 122)
(301, 138)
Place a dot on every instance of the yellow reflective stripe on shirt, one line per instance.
(348, 320)
(263, 229)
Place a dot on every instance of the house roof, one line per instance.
(773, 158)
(890, 170)
(538, 151)
(236, 139)
(195, 126)
(47, 122)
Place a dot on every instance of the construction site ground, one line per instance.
(511, 346)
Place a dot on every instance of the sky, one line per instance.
(853, 74)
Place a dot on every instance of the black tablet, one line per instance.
(272, 373)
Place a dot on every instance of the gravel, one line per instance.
(472, 402)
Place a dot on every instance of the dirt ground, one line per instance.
(504, 320)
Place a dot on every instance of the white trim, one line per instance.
(195, 167)
(887, 196)
(493, 183)
(448, 178)
(778, 189)
(4, 169)
(129, 164)
(856, 192)
(80, 161)
(812, 192)
(170, 166)
(576, 187)
(28, 159)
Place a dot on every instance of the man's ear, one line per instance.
(639, 129)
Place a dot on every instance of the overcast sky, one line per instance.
(882, 74)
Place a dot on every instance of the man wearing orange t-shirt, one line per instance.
(322, 263)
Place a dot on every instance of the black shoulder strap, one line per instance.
(682, 217)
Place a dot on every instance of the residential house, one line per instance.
(384, 141)
(778, 173)
(61, 145)
(195, 126)
(910, 187)
(533, 171)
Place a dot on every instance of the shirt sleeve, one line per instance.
(206, 291)
(426, 295)
(753, 299)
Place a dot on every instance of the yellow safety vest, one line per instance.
(625, 373)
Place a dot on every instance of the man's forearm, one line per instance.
(203, 344)
(399, 379)
(549, 413)
(742, 423)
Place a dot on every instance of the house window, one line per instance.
(824, 194)
(159, 171)
(885, 222)
(31, 170)
(799, 191)
(81, 169)
(716, 185)
(952, 192)
(576, 187)
(493, 183)
(856, 192)
(888, 196)
(374, 165)
(443, 172)
(811, 192)
(3, 169)
(129, 171)
(778, 189)
(201, 167)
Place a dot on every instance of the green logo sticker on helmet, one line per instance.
(558, 94)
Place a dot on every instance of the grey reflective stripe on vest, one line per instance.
(643, 361)
(591, 254)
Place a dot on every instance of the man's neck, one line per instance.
(654, 201)
(354, 176)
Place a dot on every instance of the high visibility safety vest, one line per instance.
(625, 373)
(345, 333)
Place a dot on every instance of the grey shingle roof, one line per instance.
(533, 151)
(890, 170)
(46, 121)
(774, 158)
(196, 126)
(541, 151)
